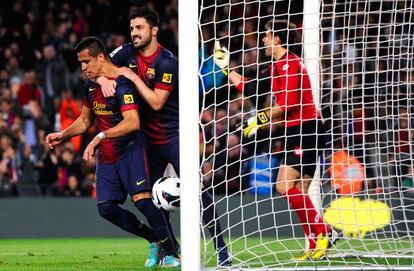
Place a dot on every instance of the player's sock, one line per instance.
(306, 211)
(213, 225)
(157, 222)
(167, 218)
(125, 220)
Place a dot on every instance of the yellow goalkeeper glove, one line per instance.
(252, 124)
(221, 57)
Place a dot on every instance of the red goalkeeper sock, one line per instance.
(306, 211)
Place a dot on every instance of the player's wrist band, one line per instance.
(101, 135)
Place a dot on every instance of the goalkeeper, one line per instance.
(295, 111)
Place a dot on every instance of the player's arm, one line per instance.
(79, 126)
(288, 99)
(119, 57)
(129, 124)
(155, 98)
(243, 84)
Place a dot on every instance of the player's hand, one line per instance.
(53, 139)
(107, 86)
(90, 149)
(221, 57)
(128, 73)
(253, 124)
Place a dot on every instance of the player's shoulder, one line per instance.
(167, 56)
(123, 81)
(124, 49)
(289, 61)
(89, 84)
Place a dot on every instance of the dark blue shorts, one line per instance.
(160, 155)
(127, 176)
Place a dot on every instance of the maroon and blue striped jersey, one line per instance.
(158, 71)
(108, 113)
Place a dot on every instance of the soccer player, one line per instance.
(121, 168)
(295, 111)
(154, 71)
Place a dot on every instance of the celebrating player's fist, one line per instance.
(221, 57)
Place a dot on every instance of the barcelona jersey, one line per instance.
(158, 71)
(108, 113)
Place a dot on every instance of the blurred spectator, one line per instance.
(70, 110)
(29, 90)
(8, 166)
(72, 188)
(53, 75)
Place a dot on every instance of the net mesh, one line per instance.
(364, 185)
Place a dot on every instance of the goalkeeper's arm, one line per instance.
(245, 85)
(253, 124)
(222, 59)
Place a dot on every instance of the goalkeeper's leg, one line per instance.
(288, 184)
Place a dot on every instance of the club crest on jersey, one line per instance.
(128, 99)
(150, 73)
(166, 78)
(298, 151)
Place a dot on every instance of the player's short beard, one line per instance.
(144, 42)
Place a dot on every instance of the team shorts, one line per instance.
(303, 146)
(159, 155)
(127, 176)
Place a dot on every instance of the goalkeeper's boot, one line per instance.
(154, 255)
(170, 261)
(306, 256)
(323, 243)
(224, 258)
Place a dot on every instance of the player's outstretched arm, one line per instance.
(129, 124)
(155, 98)
(79, 126)
(221, 58)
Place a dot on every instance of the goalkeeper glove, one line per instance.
(252, 124)
(221, 57)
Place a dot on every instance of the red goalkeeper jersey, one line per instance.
(289, 81)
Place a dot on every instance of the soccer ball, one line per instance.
(166, 193)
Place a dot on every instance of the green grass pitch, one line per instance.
(130, 254)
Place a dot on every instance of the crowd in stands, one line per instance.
(41, 84)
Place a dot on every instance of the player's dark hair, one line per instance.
(285, 30)
(94, 45)
(149, 15)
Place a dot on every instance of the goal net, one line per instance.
(359, 56)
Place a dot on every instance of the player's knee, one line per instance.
(141, 195)
(144, 204)
(107, 210)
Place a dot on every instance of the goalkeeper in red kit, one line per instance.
(295, 112)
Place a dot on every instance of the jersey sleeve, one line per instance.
(290, 75)
(120, 56)
(167, 75)
(256, 86)
(127, 95)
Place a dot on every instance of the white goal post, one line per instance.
(359, 55)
